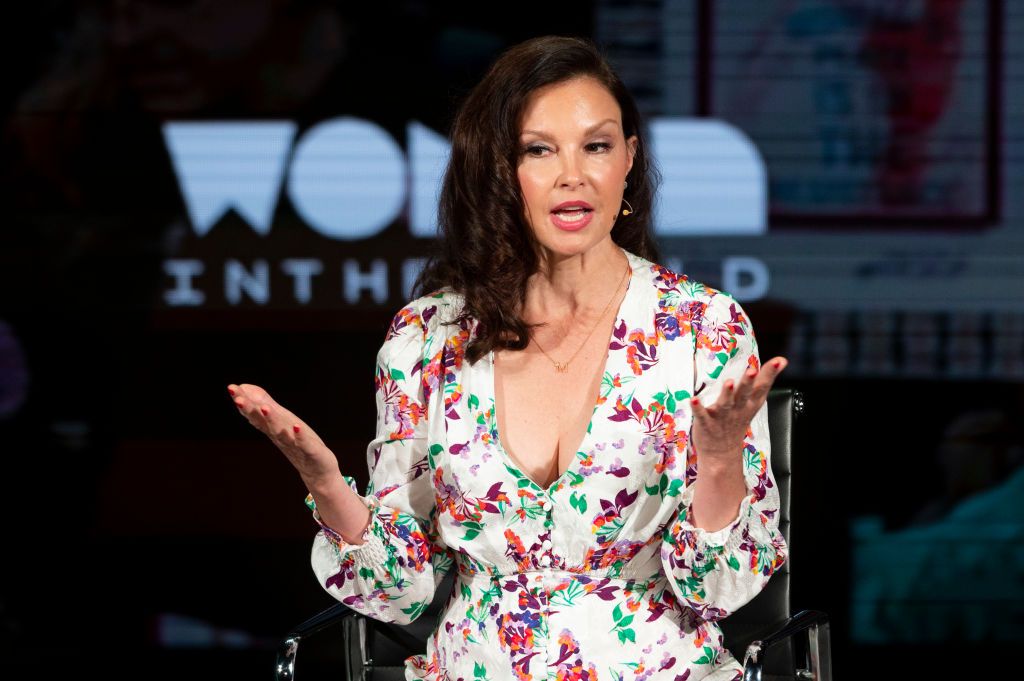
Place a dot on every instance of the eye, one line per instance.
(534, 150)
(604, 146)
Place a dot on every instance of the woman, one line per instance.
(578, 432)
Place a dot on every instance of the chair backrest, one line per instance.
(389, 645)
(770, 608)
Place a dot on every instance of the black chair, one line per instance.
(763, 627)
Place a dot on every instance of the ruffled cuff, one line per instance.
(370, 547)
(724, 540)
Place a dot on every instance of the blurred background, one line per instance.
(201, 192)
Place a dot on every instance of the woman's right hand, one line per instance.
(300, 443)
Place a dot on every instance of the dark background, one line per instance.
(150, 530)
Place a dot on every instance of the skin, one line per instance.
(572, 147)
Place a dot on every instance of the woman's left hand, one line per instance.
(719, 430)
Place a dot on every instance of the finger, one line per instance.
(700, 412)
(245, 408)
(767, 376)
(726, 397)
(746, 385)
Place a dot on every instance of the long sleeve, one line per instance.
(715, 573)
(392, 574)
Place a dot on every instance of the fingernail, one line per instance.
(231, 391)
(264, 411)
(777, 363)
(238, 403)
(295, 429)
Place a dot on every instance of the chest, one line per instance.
(543, 415)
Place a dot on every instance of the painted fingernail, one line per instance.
(777, 363)
(264, 411)
(295, 429)
(231, 391)
(238, 403)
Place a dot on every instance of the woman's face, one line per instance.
(572, 149)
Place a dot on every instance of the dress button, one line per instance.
(545, 560)
(546, 544)
(542, 502)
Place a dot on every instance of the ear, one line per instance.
(631, 144)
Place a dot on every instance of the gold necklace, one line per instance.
(562, 367)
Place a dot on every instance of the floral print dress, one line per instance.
(599, 576)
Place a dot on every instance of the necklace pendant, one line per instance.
(561, 368)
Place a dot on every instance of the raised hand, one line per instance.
(719, 429)
(303, 447)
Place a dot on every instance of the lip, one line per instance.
(573, 226)
(572, 204)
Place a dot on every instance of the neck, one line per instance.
(566, 286)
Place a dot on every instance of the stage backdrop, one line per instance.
(208, 192)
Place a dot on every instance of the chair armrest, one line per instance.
(815, 623)
(288, 650)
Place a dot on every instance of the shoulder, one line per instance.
(423, 325)
(423, 315)
(682, 302)
(411, 353)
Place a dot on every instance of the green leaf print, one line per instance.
(569, 594)
(733, 563)
(397, 375)
(474, 401)
(521, 480)
(575, 479)
(467, 593)
(434, 450)
(692, 287)
(416, 609)
(753, 458)
(722, 359)
(621, 621)
(710, 655)
(674, 488)
(365, 573)
(479, 671)
(666, 487)
(578, 501)
(682, 394)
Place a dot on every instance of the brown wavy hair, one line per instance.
(485, 249)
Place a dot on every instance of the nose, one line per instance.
(572, 171)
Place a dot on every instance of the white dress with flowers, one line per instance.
(599, 576)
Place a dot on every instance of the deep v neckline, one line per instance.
(512, 463)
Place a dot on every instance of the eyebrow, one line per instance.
(588, 131)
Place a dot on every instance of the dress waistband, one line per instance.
(639, 568)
